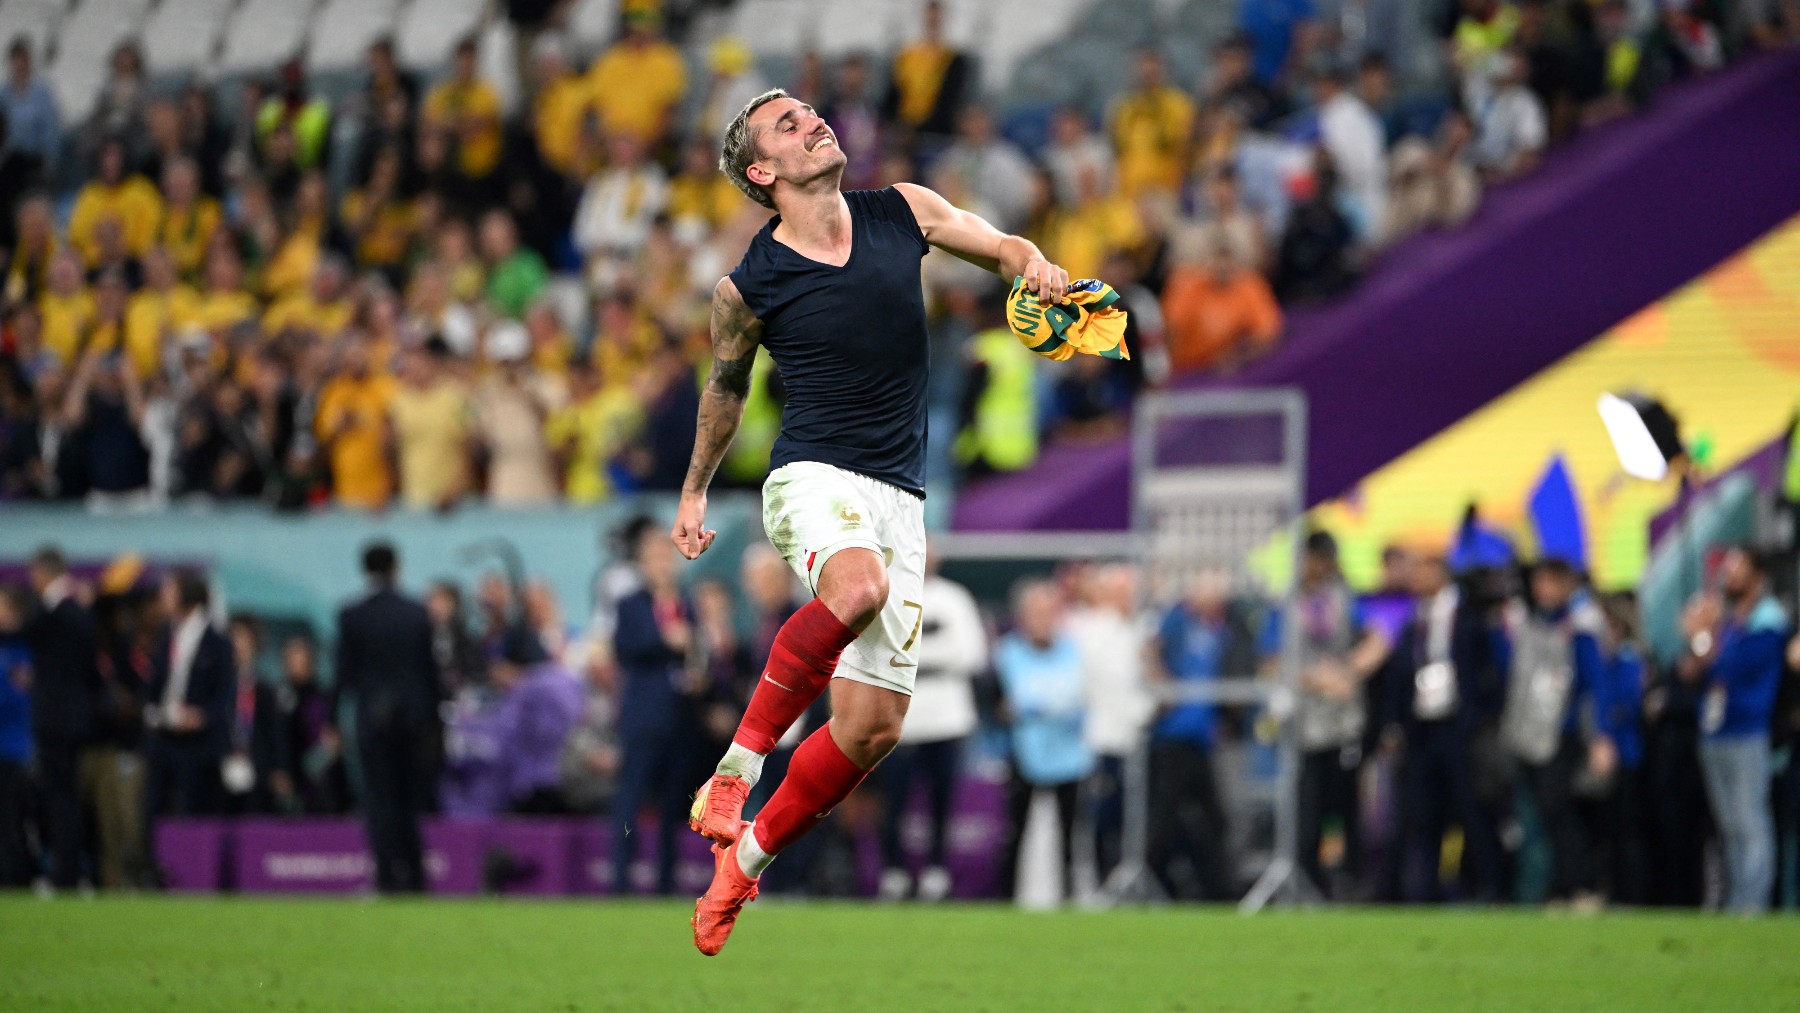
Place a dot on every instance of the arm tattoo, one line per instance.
(735, 333)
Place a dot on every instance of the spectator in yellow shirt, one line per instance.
(352, 427)
(551, 346)
(290, 267)
(34, 249)
(106, 329)
(378, 218)
(224, 304)
(431, 429)
(467, 109)
(455, 247)
(1081, 237)
(701, 198)
(189, 217)
(929, 81)
(323, 310)
(1152, 127)
(586, 435)
(66, 307)
(114, 195)
(162, 307)
(637, 83)
(560, 108)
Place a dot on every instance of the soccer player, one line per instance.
(831, 288)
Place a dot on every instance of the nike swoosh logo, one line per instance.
(766, 678)
(897, 663)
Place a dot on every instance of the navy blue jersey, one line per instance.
(849, 341)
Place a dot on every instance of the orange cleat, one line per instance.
(718, 810)
(716, 912)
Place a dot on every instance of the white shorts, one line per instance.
(813, 511)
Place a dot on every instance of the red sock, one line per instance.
(800, 665)
(818, 778)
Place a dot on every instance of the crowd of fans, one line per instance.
(224, 303)
(1466, 731)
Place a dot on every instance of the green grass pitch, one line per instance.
(151, 953)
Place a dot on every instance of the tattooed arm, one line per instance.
(735, 333)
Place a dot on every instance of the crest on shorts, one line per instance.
(849, 516)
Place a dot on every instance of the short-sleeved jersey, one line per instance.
(849, 342)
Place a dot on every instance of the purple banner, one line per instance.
(192, 854)
(453, 855)
(531, 856)
(301, 856)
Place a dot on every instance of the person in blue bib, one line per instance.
(1735, 654)
(831, 287)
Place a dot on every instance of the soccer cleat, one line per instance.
(718, 810)
(716, 912)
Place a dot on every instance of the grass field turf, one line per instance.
(242, 954)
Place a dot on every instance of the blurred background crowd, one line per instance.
(1470, 729)
(483, 272)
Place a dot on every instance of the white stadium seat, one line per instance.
(183, 35)
(430, 29)
(264, 34)
(34, 19)
(593, 23)
(85, 43)
(343, 29)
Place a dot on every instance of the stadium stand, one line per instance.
(263, 284)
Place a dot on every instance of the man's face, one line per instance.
(1430, 576)
(112, 163)
(1551, 589)
(1373, 85)
(792, 143)
(1233, 64)
(1149, 71)
(853, 78)
(1737, 574)
(19, 63)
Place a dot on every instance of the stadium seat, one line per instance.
(593, 23)
(35, 20)
(84, 44)
(1027, 24)
(343, 29)
(183, 35)
(430, 29)
(264, 34)
(773, 26)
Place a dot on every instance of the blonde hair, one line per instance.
(740, 149)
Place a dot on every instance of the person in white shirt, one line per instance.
(620, 203)
(1352, 133)
(952, 651)
(1112, 639)
(1075, 148)
(1510, 126)
(192, 697)
(991, 168)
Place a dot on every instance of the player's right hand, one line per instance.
(690, 534)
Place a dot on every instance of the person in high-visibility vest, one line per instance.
(1000, 409)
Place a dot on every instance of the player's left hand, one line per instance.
(1047, 281)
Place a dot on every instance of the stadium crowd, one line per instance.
(1468, 730)
(405, 295)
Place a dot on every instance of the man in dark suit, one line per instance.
(65, 696)
(385, 663)
(193, 687)
(1443, 687)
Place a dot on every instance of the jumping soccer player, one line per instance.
(831, 288)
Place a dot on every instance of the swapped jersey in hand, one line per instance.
(1087, 321)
